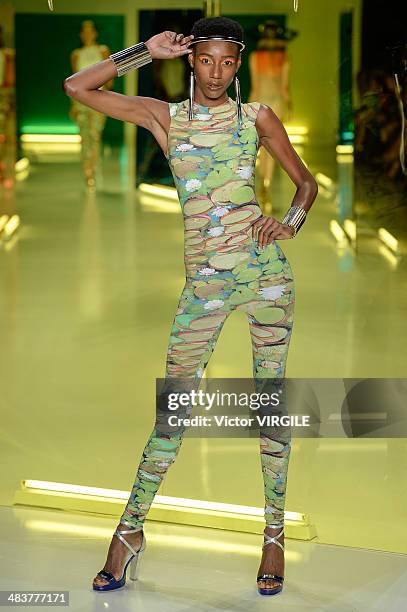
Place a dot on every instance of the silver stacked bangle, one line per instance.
(295, 217)
(133, 57)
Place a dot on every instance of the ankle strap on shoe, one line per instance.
(273, 540)
(121, 532)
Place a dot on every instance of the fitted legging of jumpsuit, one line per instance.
(160, 451)
(226, 270)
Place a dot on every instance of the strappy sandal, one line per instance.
(133, 559)
(280, 579)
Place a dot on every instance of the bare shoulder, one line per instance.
(267, 121)
(268, 124)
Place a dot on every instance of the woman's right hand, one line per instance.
(168, 45)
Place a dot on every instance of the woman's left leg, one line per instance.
(271, 323)
(270, 347)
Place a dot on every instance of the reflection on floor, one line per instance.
(119, 265)
(89, 288)
(187, 568)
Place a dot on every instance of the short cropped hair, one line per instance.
(217, 25)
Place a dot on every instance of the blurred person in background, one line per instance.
(90, 121)
(269, 67)
(7, 113)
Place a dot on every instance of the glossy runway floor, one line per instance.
(111, 263)
(189, 568)
(90, 285)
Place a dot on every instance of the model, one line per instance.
(270, 66)
(90, 121)
(232, 259)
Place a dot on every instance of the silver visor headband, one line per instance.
(233, 39)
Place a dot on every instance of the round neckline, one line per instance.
(226, 104)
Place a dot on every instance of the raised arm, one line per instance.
(150, 113)
(274, 138)
(105, 52)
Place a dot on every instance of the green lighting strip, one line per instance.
(61, 128)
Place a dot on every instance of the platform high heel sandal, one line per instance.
(133, 560)
(280, 579)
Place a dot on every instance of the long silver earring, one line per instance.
(191, 95)
(238, 100)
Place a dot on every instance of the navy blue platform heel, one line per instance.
(133, 560)
(280, 579)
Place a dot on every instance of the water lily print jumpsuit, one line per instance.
(212, 158)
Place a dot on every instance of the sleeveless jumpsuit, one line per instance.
(212, 160)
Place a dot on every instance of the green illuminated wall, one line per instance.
(42, 105)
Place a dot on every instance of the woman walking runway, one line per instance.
(232, 259)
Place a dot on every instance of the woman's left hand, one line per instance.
(267, 229)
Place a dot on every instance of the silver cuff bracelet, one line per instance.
(295, 217)
(133, 57)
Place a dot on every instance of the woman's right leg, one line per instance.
(271, 330)
(192, 341)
